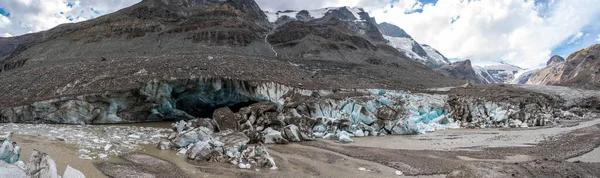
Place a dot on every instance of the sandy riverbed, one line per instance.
(434, 154)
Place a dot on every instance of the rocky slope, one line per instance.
(579, 69)
(422, 53)
(169, 40)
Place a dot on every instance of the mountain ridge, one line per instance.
(154, 41)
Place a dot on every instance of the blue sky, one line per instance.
(521, 32)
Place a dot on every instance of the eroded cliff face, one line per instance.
(580, 69)
(551, 74)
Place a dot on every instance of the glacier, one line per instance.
(373, 110)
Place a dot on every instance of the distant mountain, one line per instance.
(502, 72)
(581, 68)
(463, 70)
(496, 73)
(337, 33)
(399, 39)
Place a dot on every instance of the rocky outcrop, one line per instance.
(462, 70)
(580, 69)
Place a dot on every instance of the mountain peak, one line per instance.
(344, 13)
(242, 8)
(555, 59)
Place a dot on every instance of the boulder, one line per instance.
(272, 136)
(225, 118)
(292, 133)
(205, 122)
(200, 151)
(232, 141)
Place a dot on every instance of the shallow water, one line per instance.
(61, 152)
(591, 157)
(466, 139)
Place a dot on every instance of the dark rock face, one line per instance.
(555, 59)
(342, 34)
(461, 70)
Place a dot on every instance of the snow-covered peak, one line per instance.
(404, 45)
(424, 54)
(315, 14)
(503, 67)
(500, 72)
(435, 55)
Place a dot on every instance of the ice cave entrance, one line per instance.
(203, 99)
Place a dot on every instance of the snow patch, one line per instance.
(316, 13)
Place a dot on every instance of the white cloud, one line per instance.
(598, 39)
(4, 22)
(575, 38)
(6, 35)
(508, 30)
(516, 31)
(37, 15)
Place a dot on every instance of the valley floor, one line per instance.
(531, 152)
